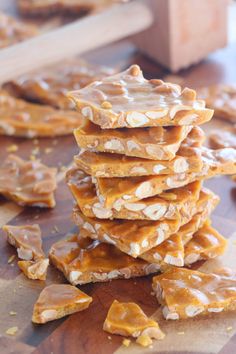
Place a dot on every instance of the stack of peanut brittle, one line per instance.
(137, 181)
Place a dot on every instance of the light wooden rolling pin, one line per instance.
(83, 35)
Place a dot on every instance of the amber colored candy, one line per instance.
(59, 300)
(129, 100)
(128, 319)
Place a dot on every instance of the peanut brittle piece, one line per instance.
(206, 243)
(83, 260)
(156, 143)
(114, 192)
(13, 31)
(139, 237)
(187, 293)
(129, 100)
(169, 205)
(221, 98)
(34, 269)
(128, 319)
(24, 119)
(222, 139)
(131, 238)
(27, 239)
(114, 165)
(172, 251)
(60, 7)
(57, 301)
(49, 86)
(187, 159)
(28, 182)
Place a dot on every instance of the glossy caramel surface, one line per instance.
(27, 237)
(186, 293)
(27, 182)
(129, 100)
(58, 300)
(128, 319)
(24, 119)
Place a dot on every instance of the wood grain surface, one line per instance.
(82, 332)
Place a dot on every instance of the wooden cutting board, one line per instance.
(82, 333)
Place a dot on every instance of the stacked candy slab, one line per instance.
(137, 181)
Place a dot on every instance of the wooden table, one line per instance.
(82, 332)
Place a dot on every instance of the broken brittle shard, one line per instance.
(49, 86)
(223, 139)
(83, 260)
(129, 100)
(128, 319)
(221, 98)
(45, 8)
(28, 242)
(157, 143)
(28, 182)
(14, 31)
(195, 293)
(166, 205)
(135, 238)
(59, 300)
(34, 269)
(29, 120)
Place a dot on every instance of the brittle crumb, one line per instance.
(126, 342)
(32, 158)
(63, 168)
(35, 151)
(12, 148)
(109, 337)
(48, 150)
(12, 331)
(12, 313)
(55, 229)
(180, 333)
(106, 105)
(228, 329)
(144, 340)
(11, 259)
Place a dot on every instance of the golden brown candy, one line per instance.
(27, 240)
(13, 31)
(59, 300)
(169, 205)
(221, 98)
(206, 243)
(24, 119)
(108, 165)
(83, 260)
(34, 269)
(223, 139)
(156, 143)
(60, 7)
(135, 238)
(128, 319)
(117, 191)
(49, 86)
(186, 293)
(137, 102)
(28, 182)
